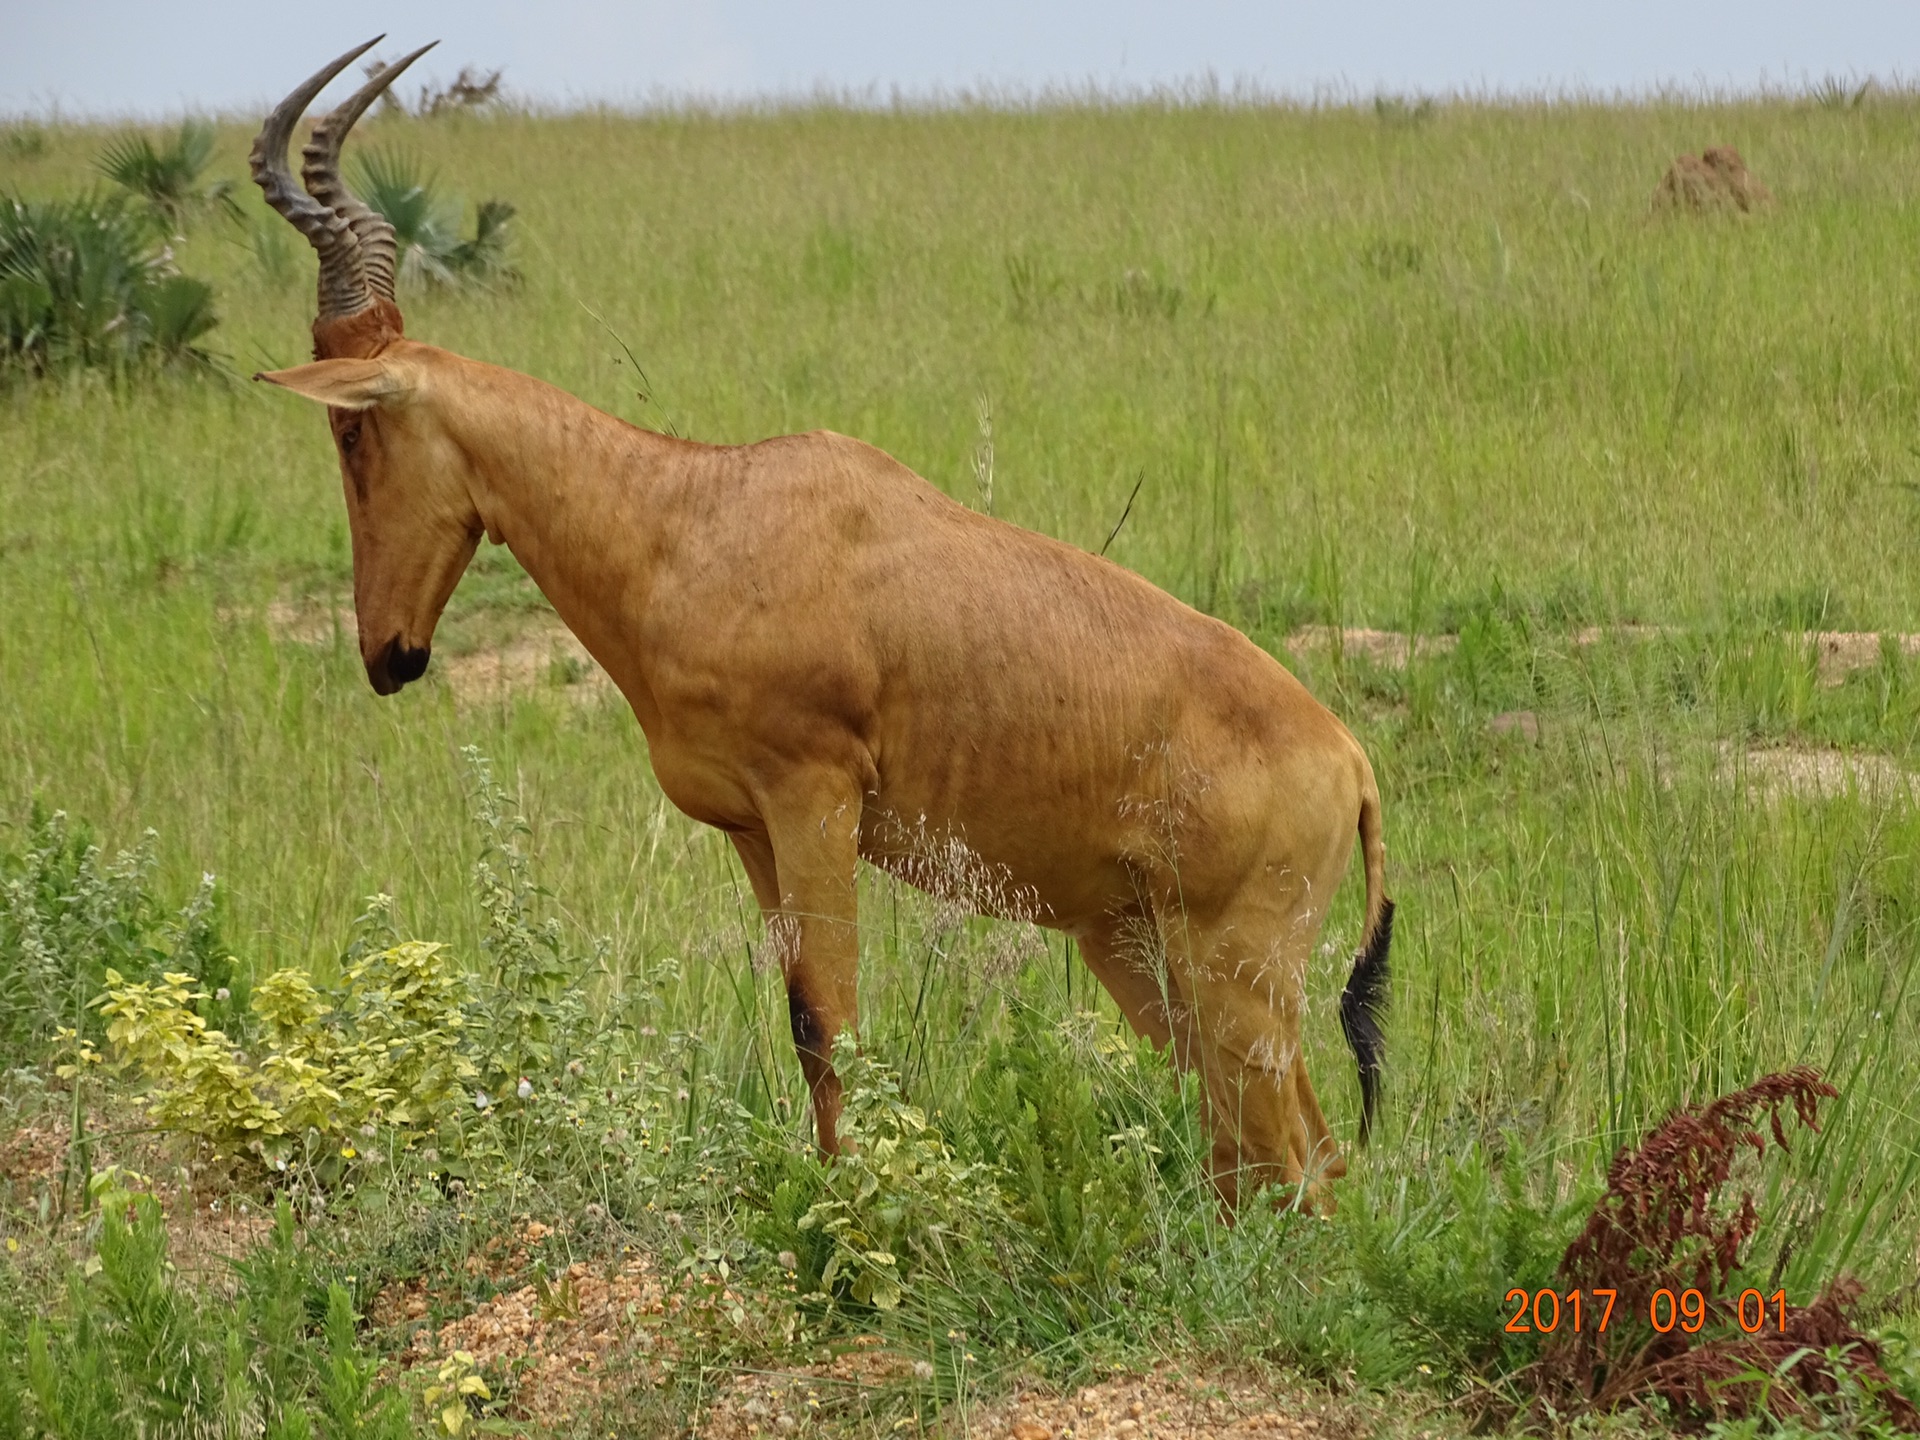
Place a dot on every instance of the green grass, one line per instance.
(1442, 374)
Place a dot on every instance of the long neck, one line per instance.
(587, 503)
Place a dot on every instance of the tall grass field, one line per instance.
(1434, 370)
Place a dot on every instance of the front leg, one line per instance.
(802, 868)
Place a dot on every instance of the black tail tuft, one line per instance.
(1362, 1004)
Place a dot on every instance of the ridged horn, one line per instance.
(343, 275)
(320, 171)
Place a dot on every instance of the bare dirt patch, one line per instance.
(207, 1226)
(839, 1396)
(538, 655)
(1596, 634)
(1166, 1405)
(590, 1334)
(562, 1339)
(306, 622)
(1839, 653)
(1389, 648)
(1392, 649)
(1517, 725)
(31, 1157)
(581, 1338)
(1836, 653)
(546, 658)
(1816, 773)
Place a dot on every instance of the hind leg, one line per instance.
(1230, 1008)
(1243, 978)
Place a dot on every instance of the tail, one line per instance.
(1364, 1000)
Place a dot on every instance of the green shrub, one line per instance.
(86, 282)
(69, 916)
(899, 1209)
(197, 1080)
(530, 1000)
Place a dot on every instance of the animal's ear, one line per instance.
(343, 384)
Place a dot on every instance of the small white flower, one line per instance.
(480, 1101)
(223, 994)
(576, 1069)
(922, 1370)
(524, 1089)
(788, 1260)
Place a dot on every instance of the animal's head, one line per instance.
(409, 507)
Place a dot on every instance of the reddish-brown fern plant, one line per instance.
(1658, 1227)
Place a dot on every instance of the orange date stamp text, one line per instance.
(1542, 1312)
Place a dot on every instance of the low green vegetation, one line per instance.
(131, 1349)
(1430, 368)
(87, 282)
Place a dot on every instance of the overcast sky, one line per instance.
(153, 58)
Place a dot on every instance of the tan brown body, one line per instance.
(831, 660)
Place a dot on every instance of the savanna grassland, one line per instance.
(1432, 370)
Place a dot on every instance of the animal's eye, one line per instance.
(349, 438)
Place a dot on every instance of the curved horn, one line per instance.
(320, 171)
(343, 277)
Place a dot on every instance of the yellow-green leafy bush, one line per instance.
(387, 1046)
(200, 1082)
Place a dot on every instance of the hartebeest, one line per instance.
(833, 661)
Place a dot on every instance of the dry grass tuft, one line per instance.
(1716, 180)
